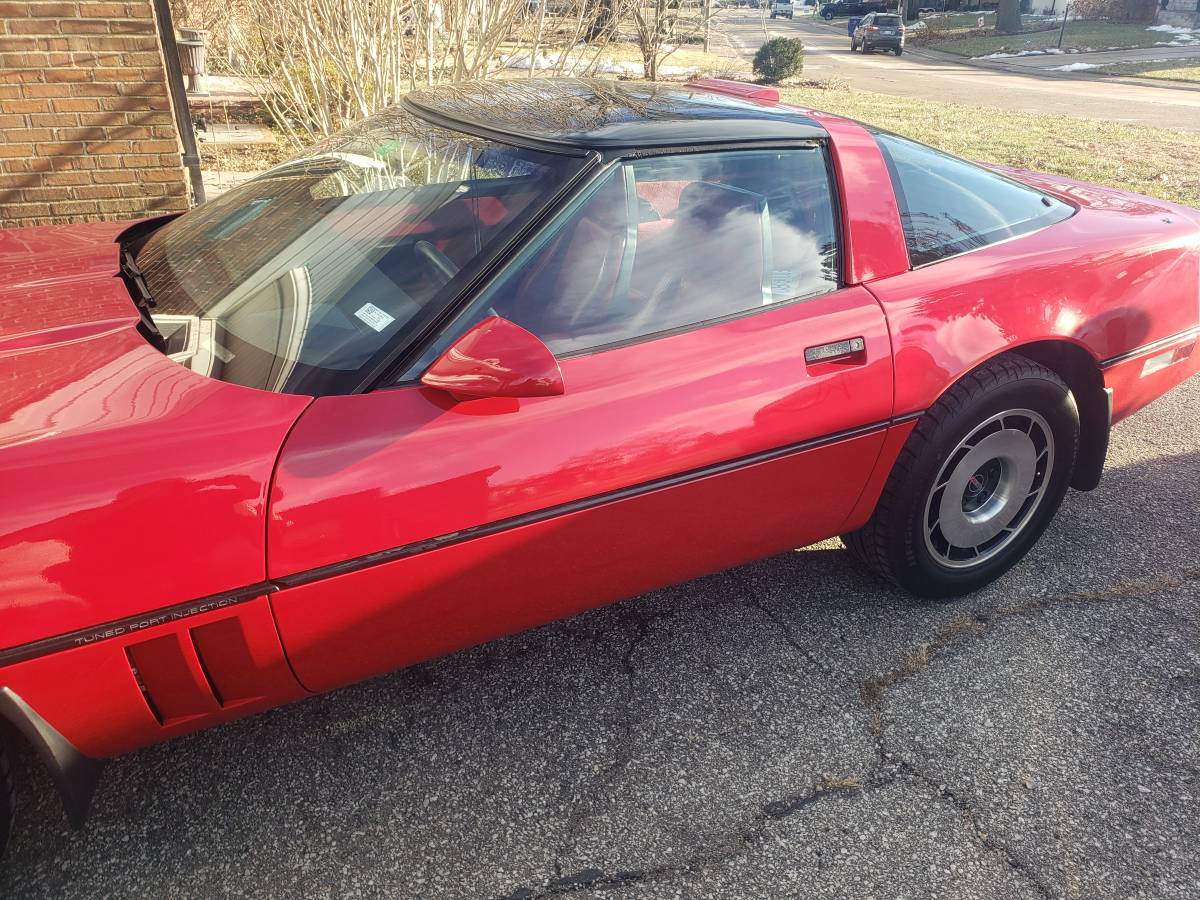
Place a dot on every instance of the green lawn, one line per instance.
(1172, 69)
(1154, 161)
(1079, 36)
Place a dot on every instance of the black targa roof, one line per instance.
(587, 114)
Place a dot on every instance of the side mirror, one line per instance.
(496, 358)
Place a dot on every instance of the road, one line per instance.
(937, 77)
(787, 729)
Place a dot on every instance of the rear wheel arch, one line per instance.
(1080, 370)
(1076, 366)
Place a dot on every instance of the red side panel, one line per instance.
(351, 626)
(892, 445)
(1147, 376)
(144, 686)
(129, 484)
(389, 470)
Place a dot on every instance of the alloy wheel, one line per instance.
(989, 488)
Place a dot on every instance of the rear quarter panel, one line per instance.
(1119, 275)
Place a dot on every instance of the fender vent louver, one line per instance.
(170, 679)
(224, 654)
(202, 670)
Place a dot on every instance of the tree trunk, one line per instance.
(1008, 17)
(602, 23)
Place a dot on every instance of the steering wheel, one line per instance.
(442, 265)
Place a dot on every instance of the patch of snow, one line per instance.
(1074, 67)
(1018, 53)
(608, 67)
(521, 61)
(1171, 29)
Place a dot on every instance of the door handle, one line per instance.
(847, 350)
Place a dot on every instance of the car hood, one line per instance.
(129, 482)
(61, 283)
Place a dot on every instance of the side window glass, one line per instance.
(948, 206)
(668, 242)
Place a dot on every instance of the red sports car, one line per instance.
(512, 350)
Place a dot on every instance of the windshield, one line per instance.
(308, 276)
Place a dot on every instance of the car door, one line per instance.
(726, 398)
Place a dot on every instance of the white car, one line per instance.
(781, 8)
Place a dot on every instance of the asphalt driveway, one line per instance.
(786, 729)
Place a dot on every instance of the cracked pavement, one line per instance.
(790, 728)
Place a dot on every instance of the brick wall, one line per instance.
(86, 128)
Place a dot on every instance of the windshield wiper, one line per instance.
(142, 299)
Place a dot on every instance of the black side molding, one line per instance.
(75, 775)
(1161, 344)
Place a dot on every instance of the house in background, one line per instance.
(1180, 14)
(87, 128)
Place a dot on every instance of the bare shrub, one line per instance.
(319, 65)
(660, 26)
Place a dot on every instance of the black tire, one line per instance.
(8, 804)
(899, 51)
(903, 543)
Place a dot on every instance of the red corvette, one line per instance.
(513, 350)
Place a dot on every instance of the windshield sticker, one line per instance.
(374, 316)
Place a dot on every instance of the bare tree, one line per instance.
(661, 25)
(319, 65)
(603, 24)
